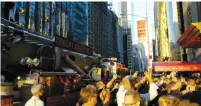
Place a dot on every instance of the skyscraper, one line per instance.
(162, 33)
(79, 21)
(125, 24)
(120, 53)
(102, 29)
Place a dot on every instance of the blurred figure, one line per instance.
(100, 85)
(185, 103)
(80, 102)
(193, 97)
(175, 89)
(132, 98)
(88, 96)
(191, 86)
(105, 97)
(37, 91)
(167, 101)
(91, 87)
(128, 84)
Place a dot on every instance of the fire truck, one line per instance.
(111, 66)
(30, 56)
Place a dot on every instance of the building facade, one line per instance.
(125, 49)
(101, 29)
(127, 31)
(178, 16)
(191, 14)
(162, 31)
(120, 53)
(114, 33)
(80, 21)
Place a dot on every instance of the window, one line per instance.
(199, 11)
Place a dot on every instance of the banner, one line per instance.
(141, 28)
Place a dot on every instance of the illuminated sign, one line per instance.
(71, 45)
(176, 66)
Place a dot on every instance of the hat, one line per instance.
(36, 88)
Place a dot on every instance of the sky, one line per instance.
(137, 8)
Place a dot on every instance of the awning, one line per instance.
(176, 66)
(191, 37)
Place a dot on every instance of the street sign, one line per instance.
(71, 45)
(141, 28)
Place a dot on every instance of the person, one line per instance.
(100, 85)
(88, 96)
(37, 91)
(128, 84)
(185, 103)
(80, 103)
(132, 98)
(191, 86)
(167, 100)
(105, 97)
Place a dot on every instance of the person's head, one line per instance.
(185, 103)
(88, 96)
(100, 85)
(132, 98)
(42, 80)
(166, 101)
(128, 83)
(50, 81)
(191, 85)
(37, 90)
(176, 86)
(169, 87)
(91, 87)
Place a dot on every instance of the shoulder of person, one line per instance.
(40, 102)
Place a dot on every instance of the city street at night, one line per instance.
(100, 53)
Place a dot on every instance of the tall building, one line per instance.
(179, 17)
(129, 50)
(124, 18)
(156, 31)
(79, 21)
(114, 33)
(162, 31)
(126, 26)
(101, 27)
(125, 49)
(120, 34)
(174, 33)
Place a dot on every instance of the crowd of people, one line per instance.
(143, 91)
(135, 90)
